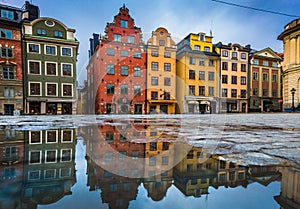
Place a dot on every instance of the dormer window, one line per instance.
(7, 14)
(58, 34)
(49, 23)
(124, 24)
(41, 31)
(201, 37)
(197, 48)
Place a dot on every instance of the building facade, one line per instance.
(265, 81)
(11, 80)
(197, 72)
(49, 67)
(291, 63)
(234, 77)
(117, 68)
(161, 72)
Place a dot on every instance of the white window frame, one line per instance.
(61, 151)
(62, 136)
(56, 136)
(62, 73)
(45, 51)
(51, 177)
(36, 178)
(65, 176)
(30, 157)
(62, 89)
(41, 137)
(61, 51)
(34, 44)
(56, 73)
(47, 154)
(29, 67)
(46, 88)
(41, 89)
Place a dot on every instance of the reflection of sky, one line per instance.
(254, 196)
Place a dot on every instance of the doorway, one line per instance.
(8, 109)
(164, 109)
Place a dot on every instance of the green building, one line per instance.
(50, 54)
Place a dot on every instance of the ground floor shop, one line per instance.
(200, 105)
(263, 104)
(49, 107)
(233, 106)
(161, 107)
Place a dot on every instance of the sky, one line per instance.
(229, 24)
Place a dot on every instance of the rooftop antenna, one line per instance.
(211, 25)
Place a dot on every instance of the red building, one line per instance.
(117, 68)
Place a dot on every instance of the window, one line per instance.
(233, 93)
(234, 66)
(255, 91)
(41, 31)
(67, 136)
(110, 69)
(197, 47)
(51, 50)
(154, 95)
(152, 161)
(192, 74)
(58, 34)
(224, 65)
(137, 71)
(124, 70)
(167, 81)
(137, 55)
(167, 66)
(161, 42)
(137, 90)
(109, 137)
(65, 172)
(201, 90)
(51, 156)
(233, 79)
(274, 92)
(110, 88)
(9, 92)
(265, 92)
(167, 96)
(274, 78)
(255, 103)
(274, 64)
(265, 76)
(153, 146)
(110, 51)
(243, 93)
(34, 67)
(50, 68)
(51, 89)
(192, 60)
(234, 55)
(35, 157)
(33, 48)
(108, 157)
(124, 89)
(243, 80)
(201, 62)
(165, 160)
(7, 52)
(130, 39)
(8, 72)
(124, 23)
(243, 55)
(67, 90)
(192, 90)
(201, 75)
(255, 76)
(211, 91)
(224, 93)
(122, 155)
(211, 62)
(224, 53)
(7, 14)
(154, 53)
(255, 62)
(207, 49)
(35, 89)
(66, 51)
(243, 67)
(154, 81)
(5, 33)
(154, 65)
(167, 54)
(117, 37)
(67, 69)
(211, 76)
(224, 79)
(124, 53)
(66, 155)
(35, 137)
(135, 155)
(265, 63)
(49, 174)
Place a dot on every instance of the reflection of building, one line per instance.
(11, 168)
(264, 81)
(290, 188)
(49, 171)
(263, 174)
(161, 72)
(197, 75)
(234, 77)
(49, 67)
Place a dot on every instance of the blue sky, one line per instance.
(229, 24)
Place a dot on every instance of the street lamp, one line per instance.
(293, 94)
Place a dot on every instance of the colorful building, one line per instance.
(49, 67)
(197, 72)
(290, 65)
(161, 72)
(234, 77)
(117, 68)
(264, 81)
(11, 75)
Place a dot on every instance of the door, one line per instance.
(152, 109)
(66, 108)
(51, 108)
(164, 109)
(8, 109)
(138, 109)
(34, 107)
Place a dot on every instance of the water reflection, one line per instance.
(124, 158)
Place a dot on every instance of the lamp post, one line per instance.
(293, 94)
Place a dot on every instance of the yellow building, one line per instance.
(197, 71)
(161, 72)
(234, 77)
(291, 63)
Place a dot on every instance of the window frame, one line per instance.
(109, 69)
(29, 89)
(66, 48)
(62, 69)
(50, 47)
(62, 89)
(56, 90)
(34, 44)
(124, 70)
(46, 68)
